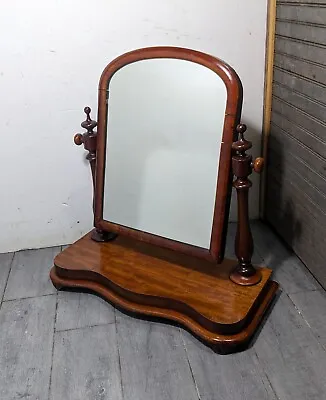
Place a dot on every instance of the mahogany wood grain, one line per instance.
(89, 140)
(224, 187)
(144, 278)
(152, 275)
(244, 274)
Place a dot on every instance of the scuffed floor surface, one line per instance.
(72, 346)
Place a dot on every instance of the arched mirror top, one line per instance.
(221, 68)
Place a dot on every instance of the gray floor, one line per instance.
(70, 346)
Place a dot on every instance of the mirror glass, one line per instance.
(164, 133)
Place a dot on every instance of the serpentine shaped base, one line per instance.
(145, 279)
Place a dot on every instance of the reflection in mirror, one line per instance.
(164, 133)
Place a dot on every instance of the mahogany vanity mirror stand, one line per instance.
(221, 301)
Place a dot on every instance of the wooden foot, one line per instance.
(158, 282)
(238, 277)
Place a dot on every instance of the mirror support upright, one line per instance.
(89, 140)
(242, 165)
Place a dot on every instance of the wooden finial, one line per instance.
(241, 144)
(241, 129)
(87, 111)
(88, 124)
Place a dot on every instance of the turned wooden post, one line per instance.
(89, 140)
(242, 165)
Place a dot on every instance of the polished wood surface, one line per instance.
(224, 187)
(220, 300)
(146, 279)
(89, 140)
(258, 165)
(244, 274)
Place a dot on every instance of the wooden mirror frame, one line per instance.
(224, 184)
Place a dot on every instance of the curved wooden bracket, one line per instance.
(242, 165)
(89, 140)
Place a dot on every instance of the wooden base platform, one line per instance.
(145, 279)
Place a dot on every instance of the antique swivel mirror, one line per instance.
(168, 139)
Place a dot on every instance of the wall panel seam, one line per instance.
(292, 170)
(305, 42)
(320, 157)
(302, 194)
(301, 4)
(322, 85)
(281, 53)
(298, 22)
(303, 95)
(306, 114)
(300, 160)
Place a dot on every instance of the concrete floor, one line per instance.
(71, 346)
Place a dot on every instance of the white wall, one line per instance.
(52, 55)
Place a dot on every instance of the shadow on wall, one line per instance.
(279, 208)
